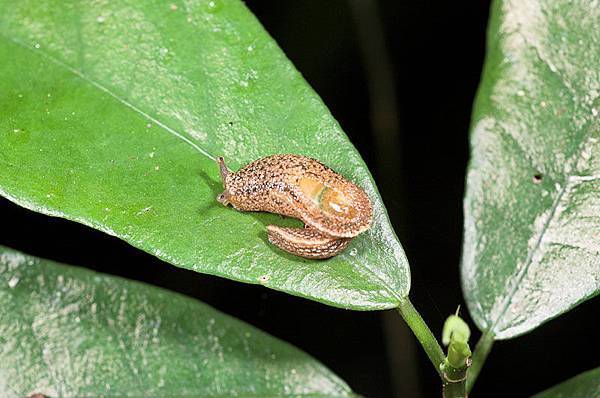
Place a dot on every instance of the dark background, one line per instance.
(416, 84)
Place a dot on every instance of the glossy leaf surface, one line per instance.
(112, 115)
(584, 385)
(70, 332)
(532, 206)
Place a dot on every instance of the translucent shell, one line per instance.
(331, 200)
(333, 209)
(338, 208)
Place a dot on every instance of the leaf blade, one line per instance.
(67, 331)
(530, 207)
(147, 156)
(586, 384)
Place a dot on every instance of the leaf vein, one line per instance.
(529, 259)
(106, 90)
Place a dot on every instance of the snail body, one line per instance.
(333, 209)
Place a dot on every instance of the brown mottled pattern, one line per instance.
(273, 184)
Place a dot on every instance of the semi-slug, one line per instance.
(333, 209)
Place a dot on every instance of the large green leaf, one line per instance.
(532, 206)
(70, 332)
(112, 114)
(584, 385)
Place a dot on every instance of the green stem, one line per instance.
(455, 390)
(455, 370)
(422, 333)
(454, 382)
(482, 349)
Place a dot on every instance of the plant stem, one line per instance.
(455, 390)
(422, 333)
(455, 382)
(482, 349)
(455, 370)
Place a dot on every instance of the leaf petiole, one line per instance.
(482, 349)
(422, 333)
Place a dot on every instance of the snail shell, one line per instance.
(333, 209)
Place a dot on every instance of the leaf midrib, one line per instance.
(529, 259)
(106, 90)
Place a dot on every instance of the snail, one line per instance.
(333, 209)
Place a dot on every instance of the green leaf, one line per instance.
(67, 332)
(532, 205)
(111, 115)
(584, 385)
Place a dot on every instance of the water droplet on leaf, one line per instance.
(213, 6)
(13, 282)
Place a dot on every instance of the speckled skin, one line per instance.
(333, 209)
